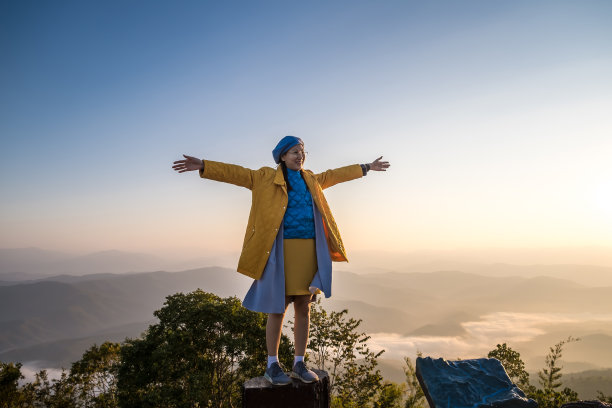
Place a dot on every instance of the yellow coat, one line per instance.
(269, 202)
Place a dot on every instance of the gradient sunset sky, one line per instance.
(496, 117)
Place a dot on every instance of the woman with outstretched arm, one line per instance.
(290, 241)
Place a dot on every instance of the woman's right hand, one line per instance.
(189, 164)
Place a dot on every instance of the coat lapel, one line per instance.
(279, 178)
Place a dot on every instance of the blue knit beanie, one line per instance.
(284, 145)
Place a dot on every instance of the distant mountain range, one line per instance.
(18, 264)
(50, 321)
(33, 263)
(558, 262)
(68, 307)
(432, 304)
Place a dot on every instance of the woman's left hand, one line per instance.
(378, 165)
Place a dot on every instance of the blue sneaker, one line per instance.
(276, 376)
(301, 372)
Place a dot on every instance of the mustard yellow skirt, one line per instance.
(300, 256)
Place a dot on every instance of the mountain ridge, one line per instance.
(415, 305)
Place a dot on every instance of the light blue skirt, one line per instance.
(267, 294)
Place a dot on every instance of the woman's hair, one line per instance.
(284, 167)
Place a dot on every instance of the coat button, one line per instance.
(283, 207)
(268, 252)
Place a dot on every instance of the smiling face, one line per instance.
(295, 157)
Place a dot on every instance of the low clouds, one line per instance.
(30, 369)
(483, 335)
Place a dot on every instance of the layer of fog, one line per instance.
(515, 329)
(31, 368)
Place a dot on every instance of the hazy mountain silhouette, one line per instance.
(19, 264)
(48, 310)
(62, 353)
(558, 262)
(588, 383)
(26, 263)
(375, 318)
(446, 292)
(54, 319)
(33, 263)
(447, 326)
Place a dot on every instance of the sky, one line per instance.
(495, 116)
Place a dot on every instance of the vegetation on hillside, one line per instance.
(338, 347)
(550, 395)
(204, 347)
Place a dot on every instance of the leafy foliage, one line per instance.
(549, 377)
(198, 354)
(10, 374)
(515, 367)
(408, 394)
(415, 397)
(89, 383)
(339, 348)
(390, 395)
(95, 375)
(603, 397)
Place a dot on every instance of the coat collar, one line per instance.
(279, 178)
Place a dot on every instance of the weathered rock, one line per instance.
(587, 404)
(259, 393)
(476, 383)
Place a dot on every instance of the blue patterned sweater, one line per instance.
(298, 221)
